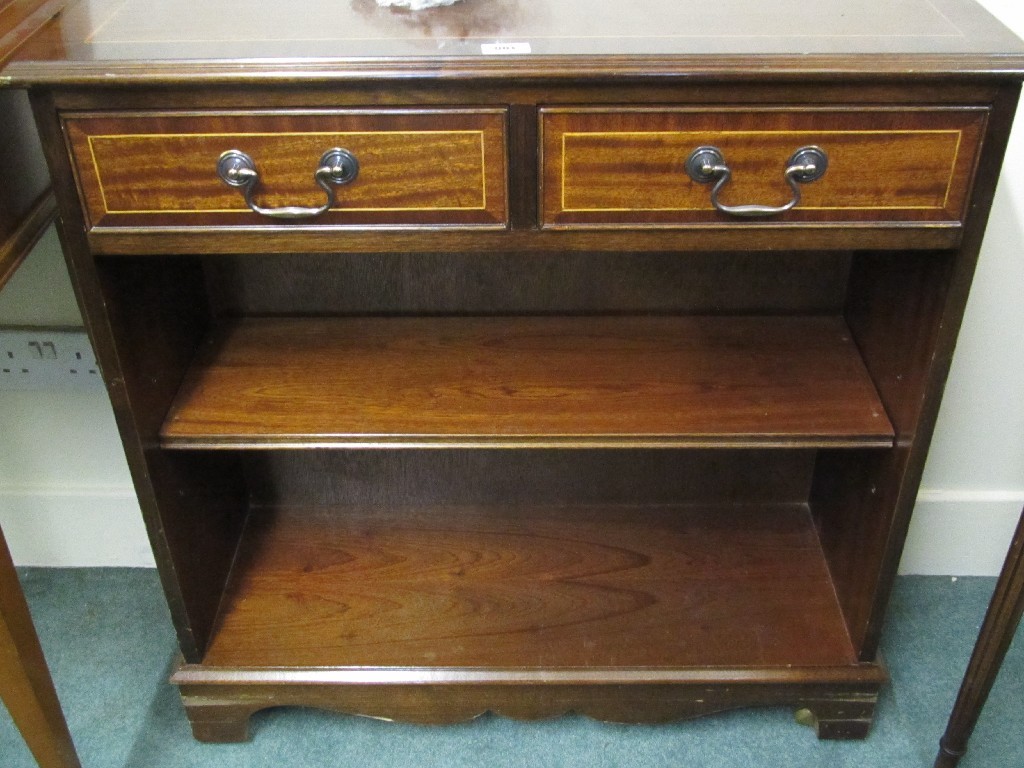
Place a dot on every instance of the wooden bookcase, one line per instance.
(521, 422)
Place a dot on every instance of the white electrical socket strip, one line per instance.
(47, 358)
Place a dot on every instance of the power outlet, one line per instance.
(47, 358)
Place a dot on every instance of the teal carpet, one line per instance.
(109, 642)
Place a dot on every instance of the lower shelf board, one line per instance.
(534, 590)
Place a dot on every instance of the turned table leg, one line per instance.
(25, 685)
(997, 632)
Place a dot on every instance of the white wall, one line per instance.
(66, 497)
(65, 494)
(973, 487)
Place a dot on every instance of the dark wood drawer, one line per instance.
(416, 167)
(627, 167)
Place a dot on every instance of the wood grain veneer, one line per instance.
(624, 166)
(531, 588)
(415, 166)
(420, 382)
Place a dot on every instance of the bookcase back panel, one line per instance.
(389, 479)
(529, 283)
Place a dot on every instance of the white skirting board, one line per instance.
(961, 533)
(953, 533)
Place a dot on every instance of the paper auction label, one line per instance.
(503, 49)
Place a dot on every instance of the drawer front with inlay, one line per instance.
(395, 168)
(680, 167)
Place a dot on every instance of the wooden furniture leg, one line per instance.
(25, 684)
(997, 632)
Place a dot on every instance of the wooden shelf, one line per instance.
(528, 382)
(658, 587)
